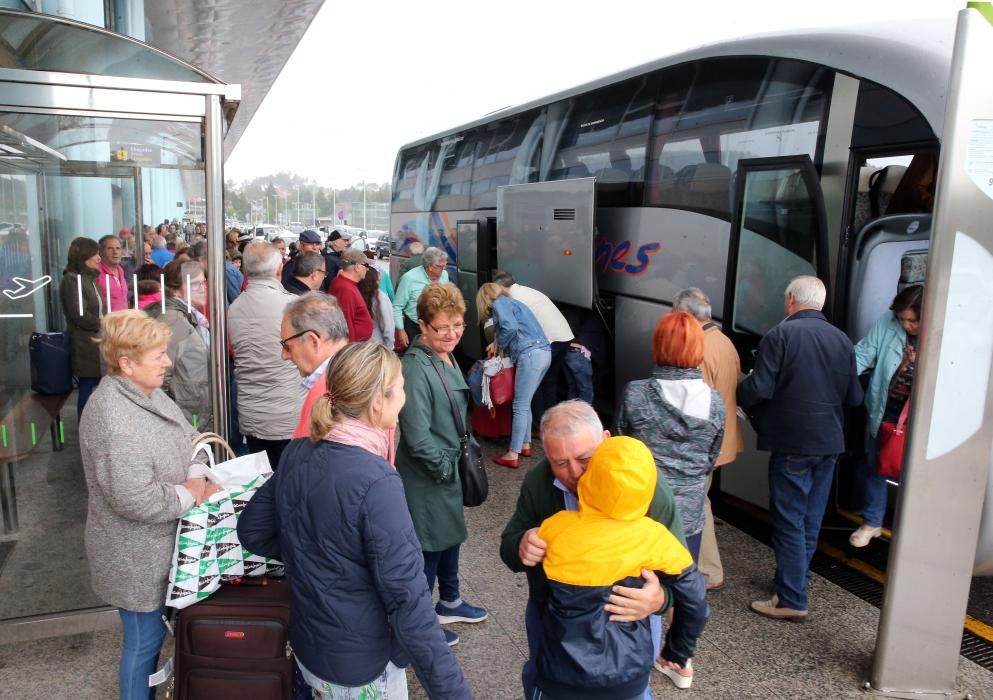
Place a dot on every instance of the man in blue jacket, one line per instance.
(804, 376)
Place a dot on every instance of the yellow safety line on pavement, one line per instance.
(977, 627)
(857, 519)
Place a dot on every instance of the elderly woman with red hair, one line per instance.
(678, 416)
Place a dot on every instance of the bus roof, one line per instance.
(911, 57)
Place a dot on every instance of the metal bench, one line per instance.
(20, 432)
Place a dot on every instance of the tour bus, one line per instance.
(732, 168)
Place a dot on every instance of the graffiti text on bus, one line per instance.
(614, 258)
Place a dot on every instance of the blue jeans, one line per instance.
(799, 486)
(547, 394)
(143, 635)
(529, 370)
(86, 387)
(693, 545)
(579, 376)
(690, 613)
(532, 626)
(445, 566)
(873, 485)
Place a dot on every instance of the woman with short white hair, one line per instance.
(136, 446)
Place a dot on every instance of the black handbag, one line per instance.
(472, 473)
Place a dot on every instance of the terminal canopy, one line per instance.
(31, 41)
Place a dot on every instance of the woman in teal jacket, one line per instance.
(890, 351)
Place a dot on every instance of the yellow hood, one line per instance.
(620, 480)
(610, 538)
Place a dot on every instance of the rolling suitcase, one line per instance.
(51, 363)
(495, 426)
(234, 644)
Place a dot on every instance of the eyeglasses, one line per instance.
(322, 271)
(445, 330)
(284, 341)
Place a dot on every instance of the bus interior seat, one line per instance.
(890, 253)
(704, 186)
(876, 188)
(662, 185)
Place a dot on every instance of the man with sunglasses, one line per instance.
(269, 390)
(345, 288)
(313, 330)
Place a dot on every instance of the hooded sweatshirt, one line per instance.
(608, 541)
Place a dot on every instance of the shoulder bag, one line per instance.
(891, 440)
(472, 473)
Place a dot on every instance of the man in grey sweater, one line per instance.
(269, 390)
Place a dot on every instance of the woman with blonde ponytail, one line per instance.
(335, 514)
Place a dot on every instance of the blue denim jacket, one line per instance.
(517, 330)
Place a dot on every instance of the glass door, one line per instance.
(778, 233)
(63, 177)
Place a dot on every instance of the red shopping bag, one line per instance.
(502, 386)
(891, 440)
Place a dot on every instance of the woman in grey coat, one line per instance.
(187, 382)
(678, 416)
(136, 447)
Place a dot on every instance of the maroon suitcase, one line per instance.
(234, 644)
(492, 426)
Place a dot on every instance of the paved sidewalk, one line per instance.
(741, 655)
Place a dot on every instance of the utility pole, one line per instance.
(363, 203)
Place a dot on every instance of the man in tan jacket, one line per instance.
(721, 370)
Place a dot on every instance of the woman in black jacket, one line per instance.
(335, 515)
(83, 308)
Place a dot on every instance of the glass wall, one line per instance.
(62, 177)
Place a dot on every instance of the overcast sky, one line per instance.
(370, 76)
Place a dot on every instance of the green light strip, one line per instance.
(34, 435)
(194, 421)
(3, 430)
(62, 432)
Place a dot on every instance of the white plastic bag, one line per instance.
(234, 472)
(207, 548)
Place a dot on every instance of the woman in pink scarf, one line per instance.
(335, 514)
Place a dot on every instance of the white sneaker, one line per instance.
(680, 681)
(864, 535)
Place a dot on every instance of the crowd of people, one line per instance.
(354, 393)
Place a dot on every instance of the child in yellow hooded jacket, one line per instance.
(608, 541)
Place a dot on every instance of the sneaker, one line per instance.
(770, 608)
(463, 613)
(678, 679)
(864, 535)
(451, 638)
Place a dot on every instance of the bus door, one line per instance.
(778, 231)
(474, 262)
(888, 254)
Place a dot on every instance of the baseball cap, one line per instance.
(310, 236)
(336, 234)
